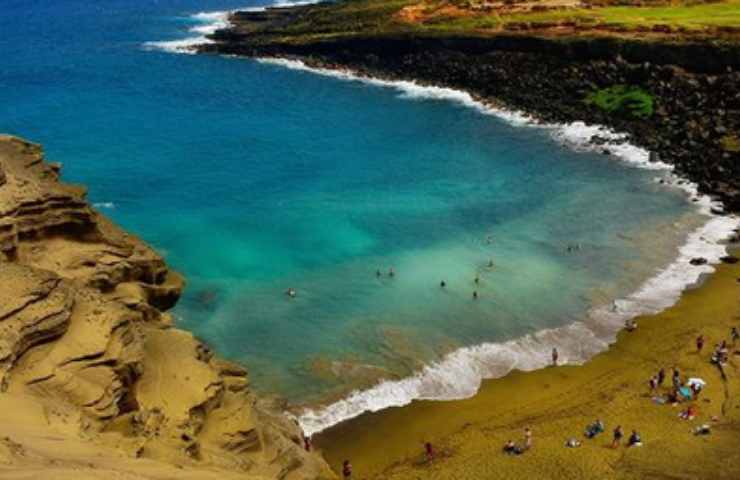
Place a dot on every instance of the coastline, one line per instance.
(451, 378)
(558, 402)
(459, 374)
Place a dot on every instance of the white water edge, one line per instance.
(206, 24)
(459, 374)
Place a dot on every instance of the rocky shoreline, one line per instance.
(694, 126)
(89, 355)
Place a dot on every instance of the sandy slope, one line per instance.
(94, 380)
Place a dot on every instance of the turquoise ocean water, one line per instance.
(252, 178)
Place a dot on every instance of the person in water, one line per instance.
(290, 292)
(476, 279)
(391, 272)
(442, 284)
(475, 295)
(346, 469)
(378, 274)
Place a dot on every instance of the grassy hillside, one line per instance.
(680, 18)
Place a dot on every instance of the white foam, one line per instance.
(209, 22)
(459, 374)
(107, 205)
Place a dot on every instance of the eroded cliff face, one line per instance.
(86, 342)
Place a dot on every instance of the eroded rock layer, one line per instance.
(85, 339)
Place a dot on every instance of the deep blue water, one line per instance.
(251, 178)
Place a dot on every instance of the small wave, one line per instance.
(107, 205)
(209, 22)
(459, 374)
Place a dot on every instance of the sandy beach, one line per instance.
(557, 403)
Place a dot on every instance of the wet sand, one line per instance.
(558, 402)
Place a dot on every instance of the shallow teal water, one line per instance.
(252, 178)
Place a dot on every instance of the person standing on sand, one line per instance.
(618, 434)
(346, 470)
(527, 438)
(734, 335)
(661, 377)
(676, 378)
(699, 343)
(429, 450)
(653, 384)
(555, 357)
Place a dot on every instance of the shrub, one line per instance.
(621, 99)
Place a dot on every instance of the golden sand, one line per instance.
(558, 402)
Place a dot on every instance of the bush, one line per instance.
(621, 99)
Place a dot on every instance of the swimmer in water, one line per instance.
(391, 272)
(475, 295)
(443, 284)
(290, 292)
(476, 279)
(490, 263)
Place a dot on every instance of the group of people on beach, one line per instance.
(679, 391)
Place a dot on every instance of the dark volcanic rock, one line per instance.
(729, 259)
(695, 87)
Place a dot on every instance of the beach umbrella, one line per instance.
(696, 381)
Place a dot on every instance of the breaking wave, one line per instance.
(459, 374)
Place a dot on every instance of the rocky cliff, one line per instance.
(89, 356)
(694, 86)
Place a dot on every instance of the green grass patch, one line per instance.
(730, 143)
(624, 100)
(725, 13)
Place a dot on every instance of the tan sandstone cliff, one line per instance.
(96, 382)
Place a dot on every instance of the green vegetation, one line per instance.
(622, 99)
(681, 17)
(678, 16)
(731, 143)
(718, 19)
